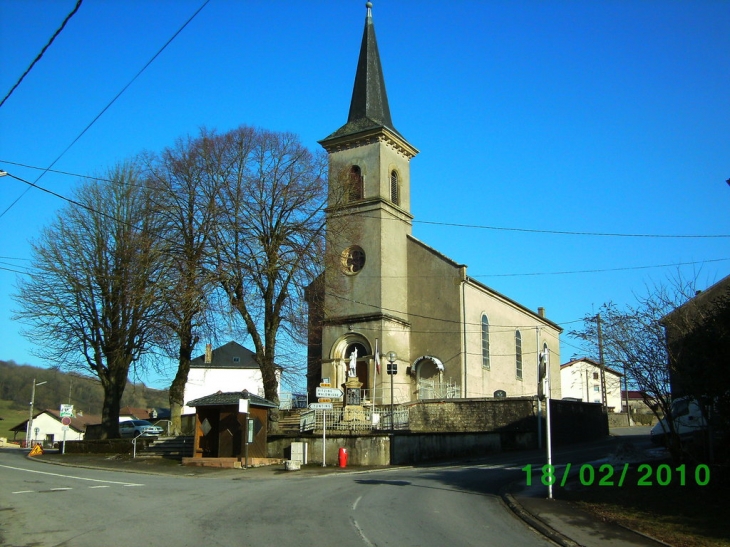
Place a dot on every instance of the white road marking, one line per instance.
(23, 492)
(70, 476)
(90, 487)
(60, 489)
(354, 505)
(362, 534)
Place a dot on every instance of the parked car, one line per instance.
(687, 417)
(139, 428)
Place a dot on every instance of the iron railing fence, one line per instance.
(430, 389)
(367, 419)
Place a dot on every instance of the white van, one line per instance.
(687, 417)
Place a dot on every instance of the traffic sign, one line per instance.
(66, 420)
(328, 392)
(67, 411)
(320, 406)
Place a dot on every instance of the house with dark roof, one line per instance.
(229, 368)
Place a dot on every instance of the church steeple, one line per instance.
(369, 109)
(369, 99)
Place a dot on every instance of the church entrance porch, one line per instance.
(430, 381)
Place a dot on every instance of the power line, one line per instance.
(13, 271)
(79, 204)
(38, 58)
(48, 170)
(72, 201)
(566, 272)
(565, 232)
(625, 268)
(482, 227)
(110, 103)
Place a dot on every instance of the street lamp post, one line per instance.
(28, 428)
(392, 356)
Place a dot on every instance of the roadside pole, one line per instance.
(324, 438)
(243, 409)
(324, 405)
(548, 425)
(66, 413)
(539, 379)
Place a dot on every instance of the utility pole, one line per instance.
(29, 425)
(601, 363)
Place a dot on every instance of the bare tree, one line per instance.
(269, 239)
(634, 339)
(187, 201)
(92, 300)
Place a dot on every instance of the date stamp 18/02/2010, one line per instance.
(608, 475)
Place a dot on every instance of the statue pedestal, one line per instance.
(353, 411)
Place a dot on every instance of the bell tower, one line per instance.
(368, 224)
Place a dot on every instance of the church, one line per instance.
(388, 302)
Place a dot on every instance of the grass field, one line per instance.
(682, 515)
(10, 418)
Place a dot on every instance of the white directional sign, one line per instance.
(320, 406)
(328, 392)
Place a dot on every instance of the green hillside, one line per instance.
(86, 394)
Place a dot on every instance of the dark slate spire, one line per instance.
(369, 99)
(369, 108)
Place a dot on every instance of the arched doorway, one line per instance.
(429, 377)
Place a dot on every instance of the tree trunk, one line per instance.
(177, 388)
(110, 409)
(271, 391)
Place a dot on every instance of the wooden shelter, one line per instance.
(224, 422)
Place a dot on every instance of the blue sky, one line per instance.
(600, 117)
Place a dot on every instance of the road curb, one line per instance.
(537, 523)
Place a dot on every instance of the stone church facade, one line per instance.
(385, 291)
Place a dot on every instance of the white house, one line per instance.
(581, 379)
(228, 368)
(48, 429)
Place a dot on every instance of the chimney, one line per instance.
(541, 311)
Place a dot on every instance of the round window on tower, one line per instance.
(353, 260)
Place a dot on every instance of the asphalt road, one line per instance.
(46, 505)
